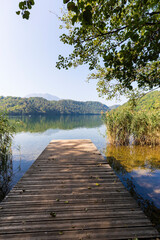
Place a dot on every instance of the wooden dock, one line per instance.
(71, 193)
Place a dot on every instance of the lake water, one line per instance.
(137, 167)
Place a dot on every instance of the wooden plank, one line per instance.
(70, 192)
(65, 213)
(70, 224)
(72, 183)
(121, 233)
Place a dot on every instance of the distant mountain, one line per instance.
(114, 106)
(36, 105)
(47, 96)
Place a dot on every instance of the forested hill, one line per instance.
(149, 102)
(34, 105)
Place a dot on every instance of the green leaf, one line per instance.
(88, 8)
(18, 12)
(53, 214)
(87, 17)
(29, 6)
(21, 5)
(74, 19)
(128, 35)
(102, 25)
(70, 6)
(65, 1)
(134, 37)
(32, 2)
(75, 9)
(26, 15)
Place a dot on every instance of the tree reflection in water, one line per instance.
(139, 170)
(6, 174)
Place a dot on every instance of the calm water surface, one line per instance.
(137, 167)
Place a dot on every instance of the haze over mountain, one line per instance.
(114, 106)
(47, 96)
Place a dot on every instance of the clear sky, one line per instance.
(29, 51)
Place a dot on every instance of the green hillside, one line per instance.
(34, 105)
(149, 102)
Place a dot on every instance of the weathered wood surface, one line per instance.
(70, 192)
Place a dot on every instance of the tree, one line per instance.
(117, 38)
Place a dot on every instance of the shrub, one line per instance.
(124, 125)
(6, 134)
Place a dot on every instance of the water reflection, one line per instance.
(136, 157)
(139, 170)
(137, 167)
(34, 133)
(65, 122)
(6, 174)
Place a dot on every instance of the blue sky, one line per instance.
(29, 51)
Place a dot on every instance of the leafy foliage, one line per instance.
(22, 106)
(24, 7)
(6, 133)
(6, 173)
(118, 38)
(6, 170)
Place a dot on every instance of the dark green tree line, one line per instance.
(35, 105)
